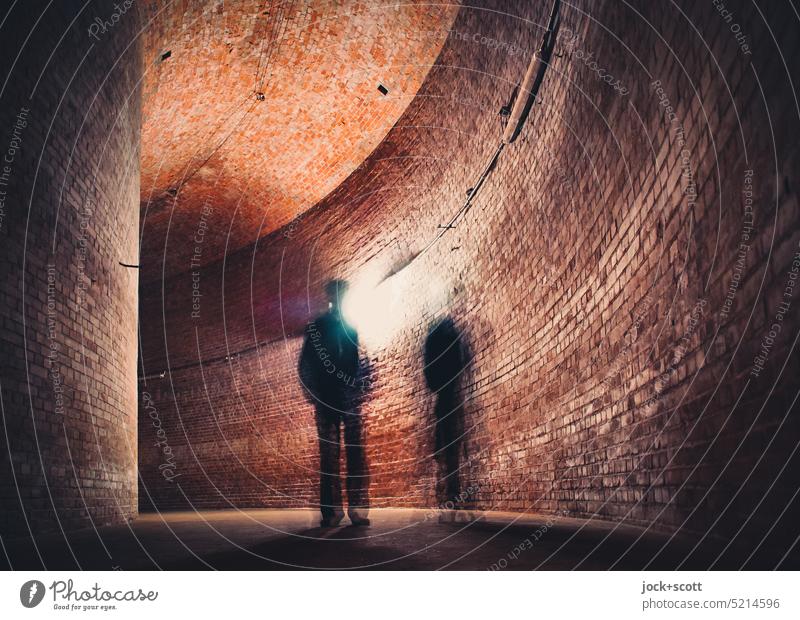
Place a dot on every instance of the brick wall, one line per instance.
(69, 139)
(208, 140)
(610, 326)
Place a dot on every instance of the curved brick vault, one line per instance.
(255, 110)
(615, 282)
(590, 283)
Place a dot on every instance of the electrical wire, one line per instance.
(535, 76)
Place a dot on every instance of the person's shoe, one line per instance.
(331, 521)
(359, 521)
(447, 516)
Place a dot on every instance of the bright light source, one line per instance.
(377, 312)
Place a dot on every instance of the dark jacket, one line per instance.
(329, 362)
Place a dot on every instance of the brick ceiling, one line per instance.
(255, 110)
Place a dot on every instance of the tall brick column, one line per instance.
(69, 143)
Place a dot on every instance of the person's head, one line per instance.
(334, 292)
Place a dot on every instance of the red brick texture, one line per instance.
(254, 162)
(625, 283)
(69, 181)
(611, 327)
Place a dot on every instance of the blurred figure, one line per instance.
(334, 382)
(444, 364)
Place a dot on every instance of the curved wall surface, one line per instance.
(253, 111)
(69, 139)
(616, 284)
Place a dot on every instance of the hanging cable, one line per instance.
(525, 97)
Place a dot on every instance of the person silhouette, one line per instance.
(333, 380)
(445, 362)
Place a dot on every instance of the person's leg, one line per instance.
(452, 486)
(357, 487)
(330, 486)
(447, 455)
(442, 446)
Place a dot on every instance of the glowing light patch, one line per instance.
(377, 312)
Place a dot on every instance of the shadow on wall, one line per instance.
(446, 360)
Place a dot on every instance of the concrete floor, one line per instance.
(398, 539)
